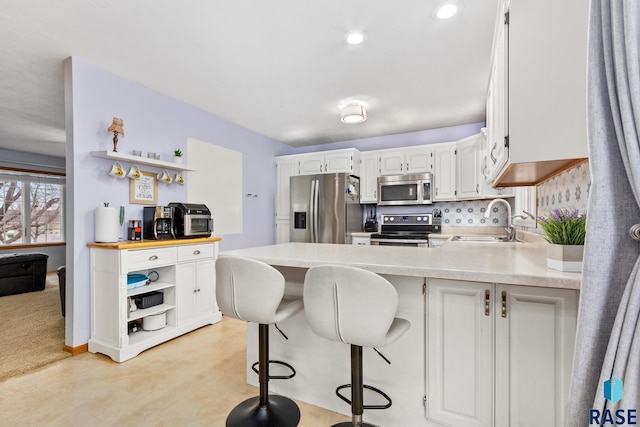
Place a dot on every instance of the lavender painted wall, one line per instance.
(152, 122)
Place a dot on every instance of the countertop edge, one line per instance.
(139, 244)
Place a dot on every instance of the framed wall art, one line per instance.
(144, 191)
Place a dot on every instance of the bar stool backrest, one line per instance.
(349, 305)
(248, 290)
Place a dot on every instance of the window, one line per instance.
(31, 208)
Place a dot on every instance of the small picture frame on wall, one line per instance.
(144, 191)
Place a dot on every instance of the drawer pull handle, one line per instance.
(153, 257)
(196, 252)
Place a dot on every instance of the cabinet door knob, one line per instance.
(153, 257)
(196, 252)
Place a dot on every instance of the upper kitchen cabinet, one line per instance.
(468, 167)
(369, 173)
(334, 161)
(407, 160)
(543, 114)
(444, 179)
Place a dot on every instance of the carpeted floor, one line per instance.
(32, 330)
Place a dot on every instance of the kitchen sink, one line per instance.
(480, 239)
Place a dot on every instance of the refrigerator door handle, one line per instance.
(316, 197)
(311, 211)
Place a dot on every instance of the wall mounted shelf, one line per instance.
(112, 155)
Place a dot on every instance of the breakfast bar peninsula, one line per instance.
(491, 338)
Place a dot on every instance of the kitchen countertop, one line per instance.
(508, 263)
(140, 244)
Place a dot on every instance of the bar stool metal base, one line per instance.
(350, 424)
(279, 411)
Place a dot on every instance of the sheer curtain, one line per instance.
(608, 337)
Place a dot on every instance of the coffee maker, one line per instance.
(157, 222)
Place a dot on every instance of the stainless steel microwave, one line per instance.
(410, 189)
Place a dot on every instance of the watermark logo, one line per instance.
(613, 389)
(613, 392)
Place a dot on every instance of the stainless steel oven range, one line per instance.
(407, 229)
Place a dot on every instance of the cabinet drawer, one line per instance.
(194, 252)
(150, 258)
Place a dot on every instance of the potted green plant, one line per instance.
(177, 156)
(565, 230)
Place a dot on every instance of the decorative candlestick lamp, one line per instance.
(117, 128)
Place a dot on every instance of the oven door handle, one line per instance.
(383, 240)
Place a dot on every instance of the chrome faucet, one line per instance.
(511, 232)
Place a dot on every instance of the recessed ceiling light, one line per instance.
(447, 9)
(355, 38)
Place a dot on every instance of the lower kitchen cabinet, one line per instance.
(282, 231)
(498, 355)
(195, 282)
(185, 278)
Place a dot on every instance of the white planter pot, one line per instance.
(565, 257)
(177, 160)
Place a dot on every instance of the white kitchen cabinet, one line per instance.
(406, 160)
(286, 167)
(195, 280)
(282, 231)
(535, 335)
(460, 354)
(444, 179)
(111, 300)
(361, 240)
(546, 89)
(334, 161)
(498, 349)
(497, 152)
(392, 162)
(468, 168)
(369, 173)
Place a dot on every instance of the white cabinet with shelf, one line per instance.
(111, 300)
(496, 351)
(444, 179)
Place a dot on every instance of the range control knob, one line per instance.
(391, 218)
(419, 219)
(386, 218)
(425, 219)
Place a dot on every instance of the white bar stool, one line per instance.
(253, 291)
(355, 307)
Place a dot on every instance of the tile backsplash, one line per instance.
(569, 190)
(457, 214)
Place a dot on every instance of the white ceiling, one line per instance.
(278, 67)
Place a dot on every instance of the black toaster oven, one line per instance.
(191, 220)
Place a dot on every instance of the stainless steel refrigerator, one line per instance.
(325, 208)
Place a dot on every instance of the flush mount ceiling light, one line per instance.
(354, 38)
(447, 9)
(353, 113)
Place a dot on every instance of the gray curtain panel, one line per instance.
(608, 339)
